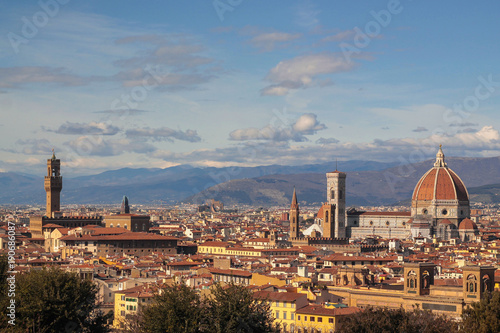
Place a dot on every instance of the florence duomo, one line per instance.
(439, 208)
(299, 166)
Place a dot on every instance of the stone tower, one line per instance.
(477, 280)
(53, 185)
(418, 278)
(294, 217)
(125, 209)
(335, 195)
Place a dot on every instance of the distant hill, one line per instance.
(368, 183)
(148, 185)
(487, 194)
(380, 187)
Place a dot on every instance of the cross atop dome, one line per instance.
(440, 158)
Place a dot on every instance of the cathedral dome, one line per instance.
(467, 224)
(440, 183)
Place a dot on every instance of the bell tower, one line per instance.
(335, 196)
(294, 217)
(53, 185)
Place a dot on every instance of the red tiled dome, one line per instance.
(467, 224)
(440, 183)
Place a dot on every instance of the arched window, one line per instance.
(472, 283)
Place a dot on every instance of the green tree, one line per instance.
(483, 316)
(383, 320)
(53, 300)
(233, 308)
(176, 308)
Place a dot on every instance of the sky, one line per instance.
(113, 84)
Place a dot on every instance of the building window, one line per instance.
(330, 320)
(298, 317)
(122, 313)
(371, 222)
(320, 319)
(444, 212)
(312, 318)
(284, 314)
(292, 316)
(277, 315)
(387, 223)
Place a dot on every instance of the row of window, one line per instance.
(314, 319)
(284, 304)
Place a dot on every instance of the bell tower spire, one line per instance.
(294, 216)
(53, 185)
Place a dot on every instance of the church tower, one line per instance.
(294, 217)
(335, 195)
(53, 185)
(125, 209)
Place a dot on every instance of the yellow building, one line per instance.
(283, 306)
(317, 318)
(223, 248)
(418, 289)
(127, 302)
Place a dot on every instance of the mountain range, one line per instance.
(368, 183)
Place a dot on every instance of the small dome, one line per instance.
(467, 224)
(440, 183)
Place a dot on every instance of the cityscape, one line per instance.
(229, 166)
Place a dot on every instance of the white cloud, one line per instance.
(86, 129)
(306, 124)
(302, 72)
(35, 146)
(267, 41)
(340, 36)
(485, 142)
(98, 146)
(164, 133)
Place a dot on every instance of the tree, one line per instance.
(176, 308)
(483, 316)
(234, 309)
(383, 320)
(53, 300)
(179, 308)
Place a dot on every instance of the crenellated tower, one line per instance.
(53, 185)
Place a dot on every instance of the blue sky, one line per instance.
(235, 82)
